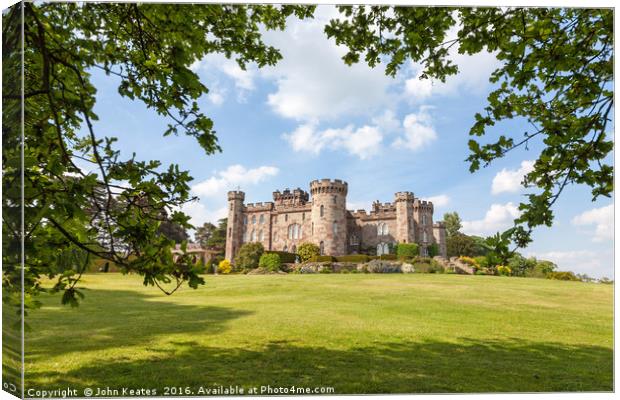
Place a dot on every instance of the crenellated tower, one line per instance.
(329, 215)
(404, 217)
(439, 233)
(234, 234)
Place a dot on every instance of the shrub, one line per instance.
(433, 250)
(562, 276)
(270, 262)
(390, 257)
(285, 257)
(407, 250)
(224, 267)
(248, 256)
(503, 270)
(470, 261)
(308, 250)
(353, 258)
(482, 261)
(520, 265)
(322, 259)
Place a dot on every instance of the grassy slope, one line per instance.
(358, 333)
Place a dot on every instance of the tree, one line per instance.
(556, 75)
(148, 49)
(452, 222)
(460, 245)
(307, 250)
(173, 231)
(204, 233)
(249, 255)
(218, 237)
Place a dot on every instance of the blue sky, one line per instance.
(312, 117)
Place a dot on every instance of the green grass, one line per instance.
(357, 333)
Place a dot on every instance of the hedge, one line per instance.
(353, 258)
(285, 257)
(407, 250)
(388, 257)
(270, 261)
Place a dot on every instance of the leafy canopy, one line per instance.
(556, 74)
(80, 194)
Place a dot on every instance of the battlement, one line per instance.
(358, 213)
(288, 197)
(378, 207)
(423, 205)
(439, 224)
(404, 196)
(236, 195)
(328, 186)
(266, 206)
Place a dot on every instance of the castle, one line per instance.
(293, 218)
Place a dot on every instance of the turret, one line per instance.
(329, 215)
(404, 217)
(234, 234)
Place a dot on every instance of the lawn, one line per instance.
(357, 333)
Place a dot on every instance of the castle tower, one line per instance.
(404, 217)
(234, 234)
(329, 215)
(423, 216)
(439, 233)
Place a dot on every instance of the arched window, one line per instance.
(322, 248)
(424, 237)
(322, 210)
(335, 227)
(230, 206)
(260, 235)
(382, 229)
(285, 248)
(229, 232)
(294, 249)
(245, 237)
(261, 219)
(253, 236)
(294, 231)
(253, 219)
(380, 249)
(285, 217)
(386, 248)
(275, 236)
(245, 220)
(423, 219)
(303, 216)
(334, 199)
(383, 248)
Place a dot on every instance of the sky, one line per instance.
(312, 117)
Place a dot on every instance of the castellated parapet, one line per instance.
(320, 217)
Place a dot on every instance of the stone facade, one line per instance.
(293, 218)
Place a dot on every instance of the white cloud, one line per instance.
(509, 180)
(363, 142)
(439, 200)
(594, 263)
(603, 220)
(200, 213)
(387, 122)
(418, 130)
(497, 218)
(312, 81)
(229, 178)
(244, 80)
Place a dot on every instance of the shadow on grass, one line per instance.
(429, 367)
(114, 319)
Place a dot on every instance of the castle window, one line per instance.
(294, 249)
(322, 248)
(229, 232)
(303, 216)
(261, 219)
(334, 199)
(383, 248)
(423, 219)
(260, 235)
(275, 236)
(313, 228)
(285, 217)
(335, 228)
(382, 229)
(245, 220)
(253, 236)
(294, 231)
(424, 237)
(230, 206)
(285, 248)
(354, 240)
(253, 219)
(322, 210)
